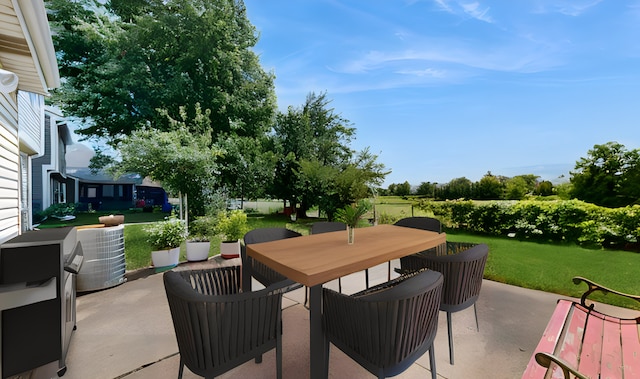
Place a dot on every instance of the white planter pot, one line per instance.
(165, 259)
(230, 250)
(198, 251)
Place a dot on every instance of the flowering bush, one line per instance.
(167, 234)
(560, 221)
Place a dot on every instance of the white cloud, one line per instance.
(444, 5)
(567, 7)
(473, 10)
(428, 72)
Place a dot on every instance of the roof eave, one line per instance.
(35, 26)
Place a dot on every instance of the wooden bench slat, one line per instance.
(629, 332)
(549, 339)
(590, 356)
(611, 366)
(570, 342)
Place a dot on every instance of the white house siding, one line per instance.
(31, 122)
(26, 49)
(9, 168)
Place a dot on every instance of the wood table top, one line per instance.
(319, 258)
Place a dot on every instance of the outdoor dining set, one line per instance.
(221, 323)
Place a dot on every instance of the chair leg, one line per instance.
(389, 272)
(366, 277)
(279, 357)
(475, 310)
(326, 347)
(306, 296)
(340, 285)
(450, 337)
(181, 369)
(258, 359)
(432, 363)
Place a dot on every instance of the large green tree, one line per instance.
(332, 187)
(608, 176)
(489, 188)
(183, 161)
(124, 60)
(518, 186)
(246, 166)
(458, 188)
(315, 165)
(312, 132)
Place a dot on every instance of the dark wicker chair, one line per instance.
(424, 223)
(261, 272)
(326, 227)
(385, 328)
(463, 267)
(217, 326)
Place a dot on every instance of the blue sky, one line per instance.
(442, 89)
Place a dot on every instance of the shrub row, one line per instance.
(560, 220)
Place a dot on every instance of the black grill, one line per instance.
(37, 299)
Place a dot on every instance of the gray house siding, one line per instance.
(49, 179)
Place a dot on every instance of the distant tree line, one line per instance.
(490, 187)
(608, 176)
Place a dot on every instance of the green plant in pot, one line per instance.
(165, 238)
(198, 242)
(351, 215)
(232, 226)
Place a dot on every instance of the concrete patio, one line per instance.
(126, 332)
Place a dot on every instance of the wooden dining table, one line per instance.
(317, 259)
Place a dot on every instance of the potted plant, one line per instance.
(232, 226)
(198, 242)
(351, 215)
(165, 237)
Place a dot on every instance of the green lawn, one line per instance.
(550, 267)
(546, 267)
(86, 218)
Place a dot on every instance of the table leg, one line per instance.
(318, 361)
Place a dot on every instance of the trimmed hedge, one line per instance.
(559, 220)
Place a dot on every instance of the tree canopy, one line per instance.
(184, 162)
(124, 61)
(608, 176)
(315, 165)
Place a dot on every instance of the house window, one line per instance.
(92, 192)
(107, 190)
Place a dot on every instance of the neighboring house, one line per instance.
(101, 191)
(28, 69)
(49, 174)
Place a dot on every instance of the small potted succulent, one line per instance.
(165, 237)
(232, 226)
(198, 240)
(351, 215)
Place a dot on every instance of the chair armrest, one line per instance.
(597, 287)
(545, 360)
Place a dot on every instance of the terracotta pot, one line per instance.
(111, 220)
(230, 250)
